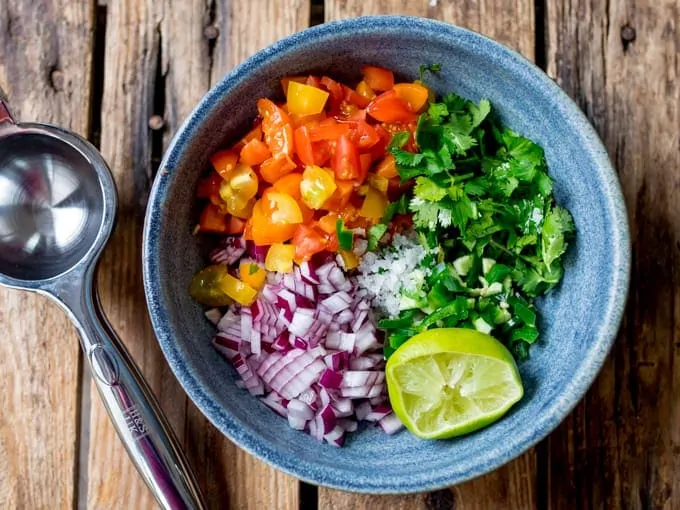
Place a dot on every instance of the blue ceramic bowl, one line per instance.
(580, 319)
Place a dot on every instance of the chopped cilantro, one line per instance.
(375, 233)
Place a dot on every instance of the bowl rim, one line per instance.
(572, 393)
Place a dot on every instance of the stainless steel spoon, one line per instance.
(57, 209)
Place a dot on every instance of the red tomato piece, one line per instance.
(345, 162)
(353, 97)
(277, 129)
(327, 129)
(254, 152)
(212, 220)
(303, 145)
(378, 78)
(387, 107)
(209, 186)
(307, 242)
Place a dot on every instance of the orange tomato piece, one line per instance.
(387, 168)
(415, 96)
(289, 184)
(280, 208)
(224, 162)
(307, 242)
(363, 134)
(387, 107)
(251, 273)
(365, 91)
(328, 223)
(254, 152)
(353, 97)
(303, 120)
(378, 78)
(327, 129)
(276, 167)
(253, 134)
(322, 152)
(213, 220)
(335, 90)
(277, 129)
(340, 197)
(263, 232)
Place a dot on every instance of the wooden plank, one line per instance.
(619, 61)
(160, 59)
(513, 485)
(45, 70)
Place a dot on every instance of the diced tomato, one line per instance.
(289, 184)
(363, 134)
(235, 225)
(263, 232)
(209, 186)
(277, 129)
(280, 208)
(378, 78)
(333, 244)
(253, 134)
(252, 274)
(374, 205)
(276, 167)
(328, 223)
(378, 150)
(212, 220)
(352, 97)
(335, 91)
(322, 152)
(365, 91)
(307, 242)
(286, 80)
(401, 223)
(387, 168)
(303, 145)
(224, 162)
(302, 120)
(345, 162)
(307, 212)
(387, 107)
(365, 160)
(327, 129)
(254, 152)
(340, 197)
(305, 99)
(314, 81)
(414, 95)
(317, 186)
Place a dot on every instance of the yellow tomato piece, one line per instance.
(237, 204)
(281, 208)
(413, 94)
(253, 274)
(379, 183)
(365, 91)
(349, 259)
(304, 99)
(237, 290)
(280, 258)
(374, 205)
(317, 186)
(244, 181)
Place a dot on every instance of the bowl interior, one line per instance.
(578, 321)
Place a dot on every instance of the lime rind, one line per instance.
(449, 382)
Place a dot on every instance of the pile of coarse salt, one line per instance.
(384, 274)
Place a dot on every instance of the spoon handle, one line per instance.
(135, 413)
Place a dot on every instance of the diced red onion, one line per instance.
(308, 273)
(296, 423)
(331, 379)
(335, 437)
(213, 315)
(378, 413)
(362, 410)
(300, 409)
(354, 378)
(391, 424)
(363, 391)
(360, 247)
(231, 250)
(258, 253)
(366, 362)
(302, 321)
(348, 424)
(273, 401)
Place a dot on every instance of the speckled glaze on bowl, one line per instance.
(580, 319)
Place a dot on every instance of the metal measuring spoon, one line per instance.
(57, 209)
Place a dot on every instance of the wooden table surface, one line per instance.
(125, 73)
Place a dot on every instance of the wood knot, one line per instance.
(57, 80)
(156, 122)
(211, 32)
(443, 499)
(628, 35)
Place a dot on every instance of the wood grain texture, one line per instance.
(160, 59)
(513, 486)
(619, 61)
(45, 70)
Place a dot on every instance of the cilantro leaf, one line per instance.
(375, 234)
(408, 159)
(397, 207)
(398, 140)
(428, 190)
(557, 224)
(425, 68)
(454, 102)
(479, 113)
(437, 111)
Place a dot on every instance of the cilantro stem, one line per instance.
(513, 254)
(463, 177)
